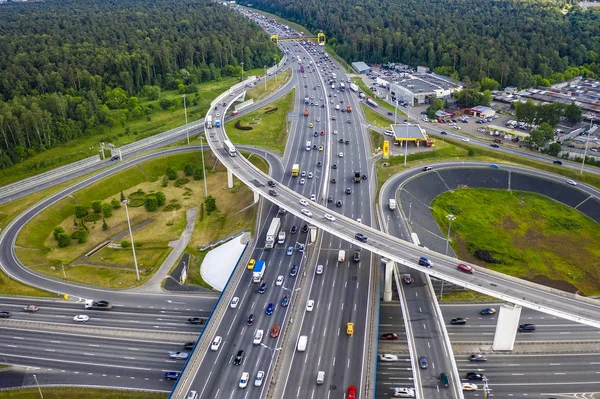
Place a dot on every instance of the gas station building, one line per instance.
(406, 133)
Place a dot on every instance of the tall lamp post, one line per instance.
(265, 78)
(586, 146)
(406, 143)
(203, 168)
(38, 386)
(137, 272)
(450, 218)
(242, 64)
(186, 120)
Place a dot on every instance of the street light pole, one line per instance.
(396, 112)
(409, 211)
(203, 168)
(137, 272)
(586, 146)
(38, 386)
(265, 78)
(242, 64)
(406, 143)
(450, 219)
(186, 121)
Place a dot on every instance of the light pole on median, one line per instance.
(409, 210)
(187, 134)
(450, 218)
(38, 386)
(406, 143)
(396, 111)
(265, 78)
(586, 147)
(203, 168)
(137, 272)
(242, 64)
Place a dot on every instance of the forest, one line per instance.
(517, 43)
(64, 65)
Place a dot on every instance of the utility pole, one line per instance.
(586, 146)
(450, 219)
(187, 134)
(137, 272)
(203, 168)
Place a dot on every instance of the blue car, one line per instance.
(285, 301)
(290, 251)
(423, 363)
(494, 166)
(262, 288)
(294, 271)
(270, 309)
(171, 375)
(423, 261)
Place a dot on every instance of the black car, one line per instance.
(557, 162)
(356, 256)
(4, 315)
(334, 180)
(319, 164)
(195, 320)
(348, 191)
(189, 345)
(294, 271)
(426, 168)
(390, 113)
(102, 304)
(474, 376)
(329, 199)
(341, 141)
(338, 203)
(263, 288)
(364, 177)
(115, 158)
(334, 166)
(494, 145)
(347, 141)
(443, 133)
(477, 358)
(171, 375)
(361, 237)
(527, 328)
(273, 193)
(281, 211)
(250, 320)
(458, 320)
(271, 183)
(239, 358)
(305, 228)
(294, 229)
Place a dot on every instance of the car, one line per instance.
(349, 121)
(310, 125)
(172, 375)
(250, 320)
(527, 327)
(364, 177)
(404, 392)
(316, 134)
(477, 358)
(487, 311)
(306, 212)
(423, 261)
(360, 237)
(474, 376)
(407, 279)
(464, 268)
(322, 133)
(310, 305)
(334, 166)
(335, 132)
(275, 330)
(351, 392)
(216, 343)
(293, 270)
(341, 141)
(305, 229)
(178, 355)
(341, 155)
(349, 328)
(558, 162)
(234, 302)
(290, 251)
(356, 256)
(494, 145)
(189, 345)
(329, 199)
(444, 380)
(313, 197)
(271, 183)
(389, 336)
(244, 380)
(80, 318)
(251, 264)
(279, 280)
(338, 203)
(319, 164)
(262, 288)
(423, 363)
(443, 133)
(192, 394)
(466, 140)
(347, 142)
(285, 301)
(426, 168)
(269, 309)
(273, 193)
(468, 386)
(303, 173)
(302, 181)
(318, 119)
(348, 191)
(494, 166)
(30, 309)
(293, 230)
(358, 220)
(101, 304)
(310, 175)
(258, 336)
(572, 182)
(388, 358)
(319, 269)
(458, 320)
(258, 380)
(303, 202)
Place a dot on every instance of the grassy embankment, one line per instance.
(258, 92)
(119, 135)
(113, 267)
(79, 393)
(269, 125)
(528, 235)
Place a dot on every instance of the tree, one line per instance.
(150, 203)
(57, 230)
(171, 173)
(81, 235)
(64, 240)
(104, 225)
(160, 198)
(540, 136)
(210, 204)
(188, 169)
(525, 112)
(198, 173)
(122, 196)
(573, 113)
(549, 113)
(80, 211)
(107, 210)
(554, 149)
(97, 206)
(489, 84)
(115, 203)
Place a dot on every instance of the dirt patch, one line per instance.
(548, 282)
(508, 224)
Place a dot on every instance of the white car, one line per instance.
(260, 376)
(572, 182)
(335, 132)
(302, 181)
(359, 220)
(341, 155)
(319, 269)
(216, 344)
(279, 280)
(329, 217)
(466, 140)
(313, 197)
(469, 386)
(81, 318)
(388, 358)
(258, 337)
(318, 119)
(404, 392)
(303, 173)
(178, 355)
(244, 379)
(303, 202)
(310, 175)
(310, 305)
(234, 302)
(306, 212)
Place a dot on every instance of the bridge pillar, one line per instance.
(256, 197)
(506, 327)
(229, 179)
(387, 282)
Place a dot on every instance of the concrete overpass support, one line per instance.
(388, 277)
(256, 197)
(230, 180)
(506, 327)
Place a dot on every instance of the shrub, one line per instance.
(122, 196)
(211, 204)
(172, 207)
(125, 244)
(188, 169)
(81, 235)
(161, 198)
(150, 203)
(181, 181)
(486, 256)
(91, 218)
(104, 225)
(165, 181)
(107, 210)
(171, 173)
(198, 174)
(97, 206)
(57, 230)
(80, 211)
(239, 126)
(64, 240)
(136, 202)
(115, 203)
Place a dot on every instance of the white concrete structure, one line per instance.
(506, 327)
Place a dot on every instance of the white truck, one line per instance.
(302, 343)
(230, 148)
(281, 237)
(272, 233)
(208, 121)
(341, 256)
(258, 271)
(353, 87)
(392, 204)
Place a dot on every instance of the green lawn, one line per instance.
(80, 393)
(269, 125)
(529, 236)
(258, 92)
(376, 140)
(375, 118)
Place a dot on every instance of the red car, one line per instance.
(275, 331)
(351, 392)
(389, 336)
(322, 133)
(465, 268)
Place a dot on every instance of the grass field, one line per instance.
(269, 125)
(467, 296)
(79, 393)
(376, 140)
(258, 92)
(375, 118)
(528, 235)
